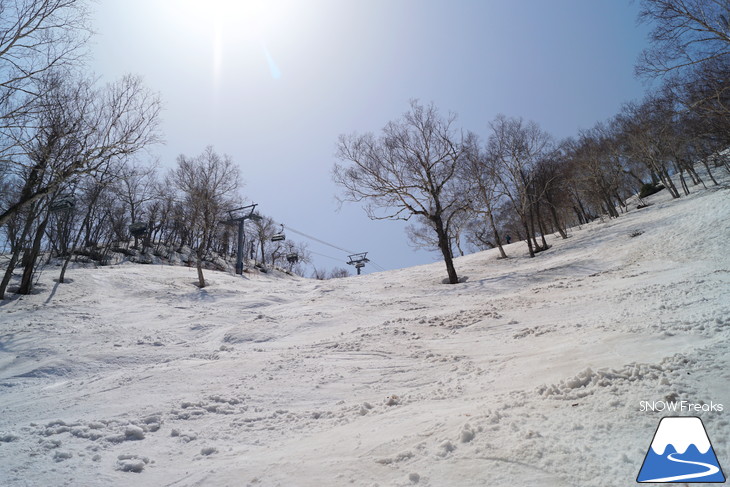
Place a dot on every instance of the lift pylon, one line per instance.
(233, 220)
(358, 260)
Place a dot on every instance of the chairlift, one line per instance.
(278, 237)
(237, 219)
(64, 202)
(138, 229)
(358, 260)
(292, 258)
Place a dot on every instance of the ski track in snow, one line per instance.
(529, 373)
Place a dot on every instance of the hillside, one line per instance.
(531, 372)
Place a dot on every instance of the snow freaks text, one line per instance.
(679, 406)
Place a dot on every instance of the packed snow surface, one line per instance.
(530, 372)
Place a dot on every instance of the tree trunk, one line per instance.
(586, 216)
(497, 239)
(443, 242)
(62, 275)
(579, 215)
(17, 250)
(199, 265)
(556, 221)
(9, 271)
(542, 232)
(533, 233)
(621, 202)
(26, 282)
(527, 233)
(709, 172)
(695, 177)
(76, 240)
(610, 208)
(668, 183)
(684, 183)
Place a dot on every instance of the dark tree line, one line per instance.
(129, 209)
(73, 181)
(59, 130)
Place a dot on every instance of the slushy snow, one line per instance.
(531, 372)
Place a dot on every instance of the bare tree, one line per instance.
(263, 230)
(208, 185)
(410, 170)
(550, 180)
(92, 126)
(685, 33)
(319, 274)
(517, 146)
(649, 133)
(136, 187)
(99, 183)
(81, 131)
(36, 37)
(704, 95)
(597, 173)
(691, 48)
(479, 173)
(338, 272)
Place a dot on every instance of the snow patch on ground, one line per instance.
(530, 372)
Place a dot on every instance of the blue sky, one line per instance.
(273, 84)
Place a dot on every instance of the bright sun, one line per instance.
(226, 15)
(228, 25)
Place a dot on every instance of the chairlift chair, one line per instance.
(63, 203)
(278, 237)
(358, 260)
(138, 229)
(292, 258)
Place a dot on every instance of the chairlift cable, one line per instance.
(318, 240)
(323, 255)
(325, 243)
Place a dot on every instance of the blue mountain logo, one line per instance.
(681, 452)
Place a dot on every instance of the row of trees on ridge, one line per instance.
(457, 187)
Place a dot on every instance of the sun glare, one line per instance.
(247, 16)
(224, 23)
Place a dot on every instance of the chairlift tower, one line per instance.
(358, 260)
(233, 220)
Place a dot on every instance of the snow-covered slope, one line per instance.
(532, 372)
